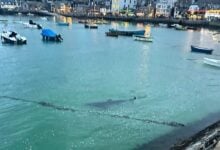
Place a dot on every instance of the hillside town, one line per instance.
(188, 9)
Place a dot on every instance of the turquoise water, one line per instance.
(170, 83)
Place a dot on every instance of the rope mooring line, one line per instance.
(63, 108)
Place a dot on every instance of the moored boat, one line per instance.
(44, 18)
(12, 37)
(111, 34)
(180, 27)
(146, 37)
(32, 24)
(127, 33)
(91, 26)
(211, 62)
(201, 50)
(83, 21)
(191, 28)
(63, 24)
(143, 38)
(50, 35)
(30, 14)
(170, 25)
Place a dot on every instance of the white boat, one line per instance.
(12, 37)
(146, 37)
(180, 27)
(212, 62)
(32, 24)
(143, 38)
(30, 14)
(44, 18)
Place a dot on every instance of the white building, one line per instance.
(118, 5)
(163, 7)
(212, 14)
(8, 4)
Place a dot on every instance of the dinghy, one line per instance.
(91, 26)
(32, 24)
(201, 50)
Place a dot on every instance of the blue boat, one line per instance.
(63, 24)
(201, 50)
(50, 35)
(127, 33)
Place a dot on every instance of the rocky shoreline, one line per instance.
(207, 138)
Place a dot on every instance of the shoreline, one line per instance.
(182, 138)
(184, 22)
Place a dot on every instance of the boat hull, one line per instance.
(201, 50)
(90, 26)
(62, 24)
(212, 62)
(127, 33)
(111, 34)
(143, 38)
(13, 38)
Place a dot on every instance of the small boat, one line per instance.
(127, 33)
(32, 24)
(83, 21)
(211, 62)
(44, 18)
(49, 35)
(30, 14)
(146, 37)
(162, 25)
(12, 37)
(143, 38)
(180, 27)
(201, 50)
(111, 34)
(91, 26)
(63, 24)
(191, 28)
(169, 25)
(101, 22)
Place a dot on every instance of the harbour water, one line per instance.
(98, 92)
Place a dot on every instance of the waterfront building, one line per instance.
(163, 8)
(9, 4)
(118, 5)
(212, 14)
(208, 4)
(32, 6)
(63, 7)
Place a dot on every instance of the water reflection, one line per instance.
(63, 19)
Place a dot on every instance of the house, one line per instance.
(163, 7)
(8, 4)
(212, 14)
(118, 5)
(32, 6)
(63, 7)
